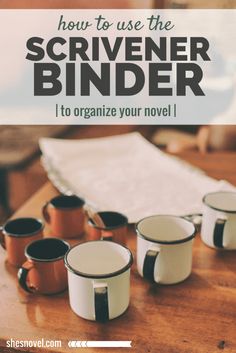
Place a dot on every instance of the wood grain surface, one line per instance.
(196, 316)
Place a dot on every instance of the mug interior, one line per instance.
(23, 226)
(111, 219)
(98, 259)
(65, 201)
(47, 249)
(166, 229)
(221, 201)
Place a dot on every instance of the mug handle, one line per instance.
(218, 232)
(2, 238)
(149, 263)
(22, 277)
(101, 301)
(45, 212)
(196, 219)
(106, 235)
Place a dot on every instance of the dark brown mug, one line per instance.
(44, 271)
(16, 234)
(65, 216)
(115, 227)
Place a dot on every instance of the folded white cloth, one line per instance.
(128, 174)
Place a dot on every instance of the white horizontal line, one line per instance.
(100, 344)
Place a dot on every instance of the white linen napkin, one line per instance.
(127, 174)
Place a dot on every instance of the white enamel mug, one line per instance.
(99, 279)
(219, 220)
(164, 248)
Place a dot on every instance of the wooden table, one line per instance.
(197, 316)
(19, 146)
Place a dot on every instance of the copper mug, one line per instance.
(65, 216)
(44, 271)
(16, 234)
(115, 228)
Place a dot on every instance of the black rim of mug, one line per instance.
(125, 221)
(177, 241)
(81, 202)
(44, 240)
(104, 275)
(216, 208)
(21, 219)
